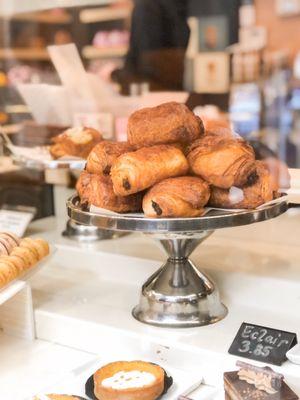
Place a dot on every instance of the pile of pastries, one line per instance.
(19, 255)
(174, 166)
(75, 142)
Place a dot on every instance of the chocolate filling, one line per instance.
(106, 170)
(156, 208)
(126, 184)
(85, 206)
(252, 179)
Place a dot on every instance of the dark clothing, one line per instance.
(159, 37)
(156, 25)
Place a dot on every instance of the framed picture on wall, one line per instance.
(211, 72)
(213, 33)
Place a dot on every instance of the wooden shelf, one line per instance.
(12, 7)
(43, 17)
(104, 14)
(23, 54)
(92, 52)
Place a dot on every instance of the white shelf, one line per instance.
(24, 54)
(43, 17)
(92, 52)
(104, 14)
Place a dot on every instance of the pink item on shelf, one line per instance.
(114, 38)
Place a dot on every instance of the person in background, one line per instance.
(159, 37)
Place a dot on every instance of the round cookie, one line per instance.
(27, 255)
(8, 270)
(9, 239)
(42, 247)
(28, 244)
(11, 235)
(3, 250)
(17, 262)
(6, 243)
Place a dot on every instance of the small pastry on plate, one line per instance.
(184, 196)
(261, 191)
(97, 190)
(252, 382)
(104, 154)
(141, 169)
(76, 142)
(222, 162)
(134, 380)
(11, 237)
(165, 124)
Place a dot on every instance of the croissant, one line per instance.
(222, 162)
(251, 196)
(184, 196)
(136, 171)
(104, 154)
(97, 190)
(76, 142)
(165, 124)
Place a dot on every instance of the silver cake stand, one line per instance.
(178, 295)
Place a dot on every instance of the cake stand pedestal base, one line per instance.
(178, 295)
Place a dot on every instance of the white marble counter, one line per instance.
(83, 298)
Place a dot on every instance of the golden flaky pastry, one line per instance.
(98, 190)
(165, 124)
(77, 142)
(139, 170)
(250, 196)
(184, 196)
(104, 155)
(222, 162)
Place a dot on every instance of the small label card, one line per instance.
(15, 221)
(262, 344)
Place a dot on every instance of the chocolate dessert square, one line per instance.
(237, 389)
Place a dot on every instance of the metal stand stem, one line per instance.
(178, 295)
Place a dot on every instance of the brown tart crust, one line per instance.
(148, 392)
(164, 124)
(184, 196)
(98, 191)
(141, 169)
(103, 156)
(222, 162)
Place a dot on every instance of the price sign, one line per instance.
(14, 221)
(262, 344)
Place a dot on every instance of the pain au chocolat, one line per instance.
(98, 190)
(164, 124)
(103, 156)
(184, 196)
(222, 162)
(261, 191)
(141, 169)
(124, 380)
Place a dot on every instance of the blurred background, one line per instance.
(236, 61)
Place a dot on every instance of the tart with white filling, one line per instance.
(129, 380)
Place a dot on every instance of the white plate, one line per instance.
(294, 354)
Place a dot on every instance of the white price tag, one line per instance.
(15, 221)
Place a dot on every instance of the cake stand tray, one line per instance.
(178, 295)
(30, 163)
